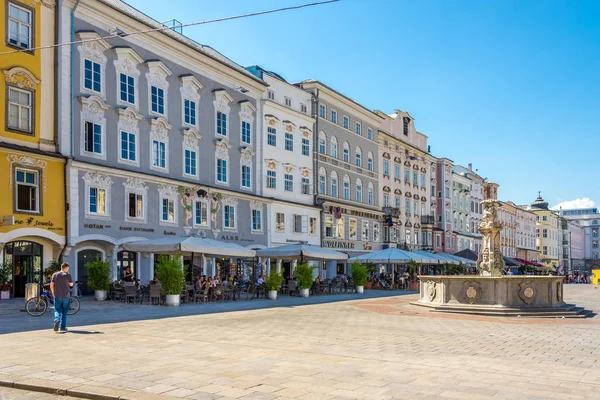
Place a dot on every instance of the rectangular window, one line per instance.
(246, 132)
(545, 233)
(189, 112)
(270, 94)
(190, 162)
(201, 213)
(221, 123)
(305, 186)
(288, 183)
(19, 26)
(93, 138)
(91, 76)
(334, 187)
(288, 102)
(370, 134)
(346, 122)
(97, 201)
(358, 160)
(334, 116)
(370, 164)
(322, 184)
(358, 128)
(422, 180)
(347, 190)
(397, 171)
(346, 155)
(406, 175)
(157, 96)
(159, 154)
(229, 215)
(280, 222)
(329, 226)
(271, 179)
(322, 111)
(415, 178)
(340, 231)
(594, 244)
(221, 170)
(300, 223)
(386, 200)
(127, 84)
(322, 146)
(305, 147)
(398, 202)
(447, 192)
(545, 251)
(136, 205)
(271, 136)
(544, 218)
(407, 206)
(168, 210)
(127, 146)
(365, 231)
(20, 109)
(246, 181)
(256, 220)
(27, 190)
(289, 141)
(353, 234)
(312, 226)
(359, 195)
(370, 195)
(386, 168)
(303, 108)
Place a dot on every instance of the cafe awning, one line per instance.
(301, 252)
(192, 244)
(395, 256)
(441, 257)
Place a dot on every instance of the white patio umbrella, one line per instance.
(301, 252)
(190, 244)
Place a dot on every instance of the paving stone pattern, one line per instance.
(376, 348)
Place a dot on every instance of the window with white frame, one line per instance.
(135, 206)
(334, 184)
(246, 132)
(386, 200)
(246, 114)
(312, 226)
(303, 108)
(358, 128)
(288, 102)
(406, 175)
(280, 222)
(346, 153)
(128, 74)
(334, 116)
(200, 213)
(271, 136)
(190, 98)
(396, 171)
(189, 112)
(221, 170)
(333, 147)
(159, 151)
(359, 194)
(346, 122)
(300, 223)
(246, 176)
(328, 226)
(289, 141)
(358, 156)
(97, 195)
(20, 109)
(370, 195)
(398, 202)
(322, 111)
(370, 162)
(346, 188)
(229, 217)
(386, 168)
(92, 76)
(93, 138)
(97, 201)
(352, 229)
(20, 25)
(158, 85)
(190, 158)
(221, 123)
(365, 230)
(305, 186)
(167, 210)
(305, 147)
(27, 190)
(288, 182)
(128, 146)
(157, 100)
(370, 134)
(221, 102)
(270, 94)
(127, 89)
(322, 181)
(256, 220)
(128, 129)
(322, 145)
(271, 179)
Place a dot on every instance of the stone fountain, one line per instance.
(491, 292)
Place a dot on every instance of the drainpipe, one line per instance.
(72, 81)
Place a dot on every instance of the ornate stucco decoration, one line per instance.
(221, 100)
(223, 146)
(28, 162)
(387, 189)
(93, 108)
(127, 61)
(423, 169)
(94, 48)
(230, 201)
(188, 195)
(129, 119)
(247, 110)
(215, 205)
(490, 261)
(190, 87)
(289, 168)
(34, 3)
(191, 138)
(271, 164)
(431, 290)
(415, 167)
(289, 126)
(407, 163)
(306, 132)
(527, 292)
(398, 192)
(408, 194)
(386, 155)
(408, 224)
(271, 120)
(305, 172)
(21, 78)
(471, 291)
(159, 129)
(168, 191)
(256, 205)
(157, 74)
(93, 178)
(246, 155)
(135, 184)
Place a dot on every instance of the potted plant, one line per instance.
(371, 269)
(359, 276)
(273, 283)
(413, 281)
(5, 277)
(170, 274)
(304, 276)
(99, 278)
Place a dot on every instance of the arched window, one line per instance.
(322, 143)
(333, 147)
(370, 161)
(322, 181)
(346, 152)
(358, 157)
(359, 189)
(346, 187)
(334, 184)
(370, 194)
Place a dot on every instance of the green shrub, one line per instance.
(371, 268)
(273, 281)
(170, 274)
(54, 267)
(359, 273)
(5, 273)
(304, 276)
(98, 275)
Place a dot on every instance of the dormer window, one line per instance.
(406, 121)
(270, 95)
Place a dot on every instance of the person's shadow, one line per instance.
(85, 332)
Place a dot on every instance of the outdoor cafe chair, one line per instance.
(131, 292)
(155, 293)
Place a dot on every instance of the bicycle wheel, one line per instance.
(73, 306)
(36, 306)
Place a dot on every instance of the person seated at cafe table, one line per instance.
(154, 281)
(128, 275)
(216, 280)
(260, 280)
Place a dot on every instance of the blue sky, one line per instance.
(511, 86)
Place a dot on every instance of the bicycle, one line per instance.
(37, 306)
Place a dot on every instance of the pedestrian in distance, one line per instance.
(60, 286)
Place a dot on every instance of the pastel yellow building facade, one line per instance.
(32, 183)
(548, 234)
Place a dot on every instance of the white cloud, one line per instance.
(577, 203)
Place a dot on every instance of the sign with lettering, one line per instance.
(135, 229)
(235, 238)
(32, 221)
(96, 226)
(8, 220)
(338, 244)
(169, 233)
(296, 241)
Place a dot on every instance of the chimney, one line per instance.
(470, 167)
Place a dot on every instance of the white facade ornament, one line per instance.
(190, 88)
(168, 191)
(230, 201)
(256, 205)
(135, 184)
(271, 164)
(191, 138)
(289, 168)
(222, 100)
(93, 178)
(247, 110)
(223, 146)
(246, 155)
(34, 3)
(159, 129)
(289, 126)
(127, 61)
(93, 49)
(93, 109)
(26, 161)
(21, 78)
(129, 119)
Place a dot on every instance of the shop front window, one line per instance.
(26, 260)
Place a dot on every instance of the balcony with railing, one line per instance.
(427, 220)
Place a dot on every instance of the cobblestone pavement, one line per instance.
(377, 348)
(17, 394)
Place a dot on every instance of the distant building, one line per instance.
(526, 236)
(507, 213)
(547, 233)
(589, 220)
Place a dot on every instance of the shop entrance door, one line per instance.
(26, 259)
(83, 257)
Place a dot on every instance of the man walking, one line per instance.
(60, 286)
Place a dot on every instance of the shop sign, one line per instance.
(354, 213)
(96, 226)
(235, 238)
(135, 229)
(296, 241)
(338, 244)
(8, 220)
(169, 233)
(31, 221)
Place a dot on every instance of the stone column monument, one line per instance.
(490, 261)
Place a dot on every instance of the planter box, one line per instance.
(359, 289)
(304, 292)
(101, 295)
(172, 299)
(272, 294)
(5, 295)
(368, 285)
(414, 286)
